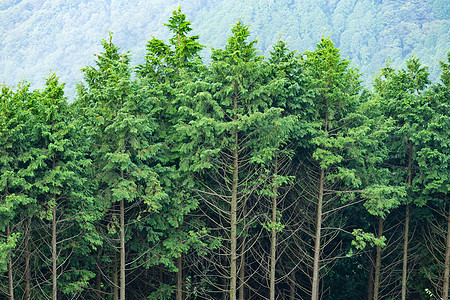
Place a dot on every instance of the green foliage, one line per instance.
(175, 141)
(381, 199)
(76, 281)
(433, 154)
(162, 62)
(6, 249)
(362, 238)
(334, 92)
(402, 100)
(120, 128)
(278, 226)
(164, 292)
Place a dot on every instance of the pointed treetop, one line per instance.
(162, 60)
(237, 49)
(107, 64)
(177, 23)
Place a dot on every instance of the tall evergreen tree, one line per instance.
(58, 187)
(15, 160)
(121, 127)
(228, 119)
(433, 157)
(401, 95)
(165, 67)
(329, 164)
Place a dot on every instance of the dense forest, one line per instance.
(246, 177)
(60, 35)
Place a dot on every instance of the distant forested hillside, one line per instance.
(38, 36)
(177, 174)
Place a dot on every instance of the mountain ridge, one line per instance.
(63, 36)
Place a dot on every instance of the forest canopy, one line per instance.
(249, 176)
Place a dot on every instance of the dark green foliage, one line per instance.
(15, 161)
(169, 179)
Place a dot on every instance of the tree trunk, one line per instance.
(370, 283)
(224, 292)
(233, 216)
(27, 260)
(115, 280)
(122, 250)
(54, 254)
(376, 285)
(406, 236)
(316, 267)
(242, 264)
(10, 273)
(405, 253)
(99, 282)
(242, 275)
(179, 288)
(184, 277)
(292, 286)
(146, 282)
(273, 233)
(447, 261)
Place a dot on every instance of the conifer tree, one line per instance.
(330, 168)
(226, 134)
(433, 157)
(15, 160)
(278, 163)
(120, 124)
(165, 67)
(402, 100)
(59, 187)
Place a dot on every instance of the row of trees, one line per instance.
(250, 178)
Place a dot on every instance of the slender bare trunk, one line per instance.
(447, 261)
(316, 267)
(273, 233)
(179, 288)
(146, 280)
(122, 250)
(370, 283)
(233, 221)
(242, 275)
(54, 252)
(292, 286)
(405, 253)
(115, 279)
(376, 285)
(233, 225)
(224, 292)
(10, 273)
(406, 236)
(54, 258)
(27, 260)
(242, 263)
(99, 282)
(184, 277)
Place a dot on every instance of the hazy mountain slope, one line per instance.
(63, 35)
(366, 31)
